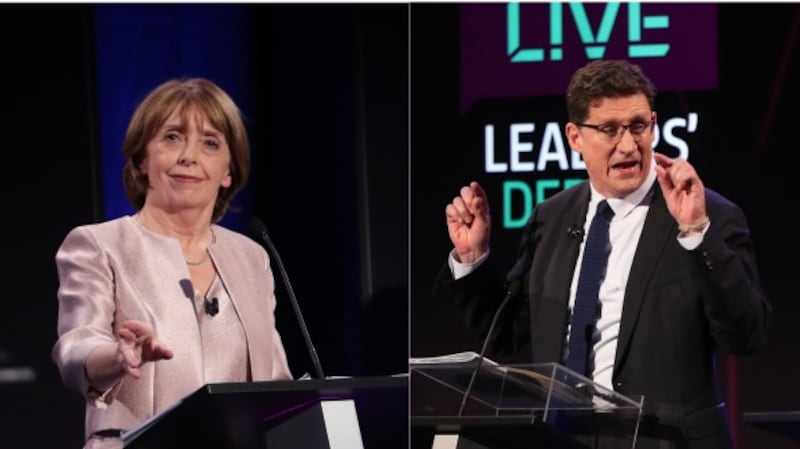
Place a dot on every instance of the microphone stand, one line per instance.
(261, 230)
(513, 288)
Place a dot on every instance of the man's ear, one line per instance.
(574, 137)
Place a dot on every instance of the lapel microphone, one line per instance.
(575, 232)
(211, 306)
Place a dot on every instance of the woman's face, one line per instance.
(187, 162)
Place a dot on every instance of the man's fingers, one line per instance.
(674, 173)
(459, 210)
(470, 202)
(478, 190)
(452, 214)
(662, 160)
(682, 175)
(475, 199)
(480, 206)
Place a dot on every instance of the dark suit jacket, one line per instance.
(679, 308)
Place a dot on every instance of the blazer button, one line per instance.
(707, 260)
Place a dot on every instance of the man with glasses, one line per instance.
(674, 278)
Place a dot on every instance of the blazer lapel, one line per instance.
(251, 295)
(565, 258)
(659, 227)
(549, 323)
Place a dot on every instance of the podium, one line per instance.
(516, 406)
(368, 412)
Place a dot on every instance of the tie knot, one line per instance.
(605, 211)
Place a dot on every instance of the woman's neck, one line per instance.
(191, 229)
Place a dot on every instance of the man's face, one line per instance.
(617, 159)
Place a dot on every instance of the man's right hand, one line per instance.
(469, 223)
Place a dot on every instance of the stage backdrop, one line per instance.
(488, 84)
(324, 91)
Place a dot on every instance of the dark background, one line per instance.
(325, 92)
(745, 148)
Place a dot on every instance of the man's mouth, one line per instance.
(625, 165)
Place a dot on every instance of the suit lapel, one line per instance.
(565, 258)
(549, 331)
(659, 227)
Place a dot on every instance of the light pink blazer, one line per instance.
(118, 270)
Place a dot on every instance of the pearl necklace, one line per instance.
(188, 262)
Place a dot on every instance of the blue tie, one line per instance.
(585, 310)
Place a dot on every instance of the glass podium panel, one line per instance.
(550, 396)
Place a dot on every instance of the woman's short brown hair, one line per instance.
(197, 94)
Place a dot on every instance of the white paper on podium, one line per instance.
(457, 357)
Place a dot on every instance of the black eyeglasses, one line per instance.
(614, 130)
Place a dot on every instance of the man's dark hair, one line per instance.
(605, 79)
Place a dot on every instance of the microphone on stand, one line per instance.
(513, 288)
(260, 229)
